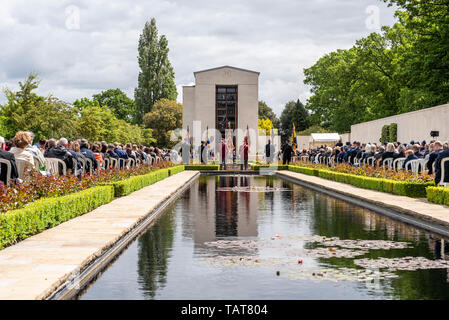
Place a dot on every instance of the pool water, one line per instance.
(258, 237)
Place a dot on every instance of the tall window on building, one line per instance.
(226, 108)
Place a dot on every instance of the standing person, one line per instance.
(201, 151)
(287, 153)
(269, 152)
(245, 154)
(185, 152)
(223, 152)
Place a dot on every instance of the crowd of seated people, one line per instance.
(74, 154)
(375, 154)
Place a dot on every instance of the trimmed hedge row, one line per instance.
(265, 166)
(409, 189)
(439, 195)
(193, 167)
(128, 186)
(175, 170)
(16, 225)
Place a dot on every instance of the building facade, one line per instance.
(222, 98)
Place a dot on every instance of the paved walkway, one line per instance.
(416, 207)
(36, 267)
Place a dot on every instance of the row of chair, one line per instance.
(415, 166)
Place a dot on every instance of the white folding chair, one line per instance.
(442, 182)
(370, 161)
(53, 166)
(397, 163)
(8, 170)
(388, 162)
(413, 165)
(91, 166)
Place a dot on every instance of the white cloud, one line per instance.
(278, 39)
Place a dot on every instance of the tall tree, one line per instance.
(123, 107)
(293, 113)
(156, 77)
(265, 112)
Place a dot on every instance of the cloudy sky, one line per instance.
(80, 48)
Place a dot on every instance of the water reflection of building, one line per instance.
(218, 214)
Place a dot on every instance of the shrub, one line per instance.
(39, 186)
(404, 188)
(385, 135)
(278, 167)
(175, 170)
(125, 187)
(202, 167)
(439, 195)
(16, 225)
(393, 131)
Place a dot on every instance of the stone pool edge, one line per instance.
(420, 213)
(51, 262)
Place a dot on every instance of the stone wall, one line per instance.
(414, 125)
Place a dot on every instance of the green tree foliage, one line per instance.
(49, 117)
(156, 77)
(165, 117)
(97, 123)
(293, 113)
(45, 116)
(123, 107)
(313, 129)
(426, 64)
(265, 112)
(401, 69)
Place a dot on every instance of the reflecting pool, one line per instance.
(258, 237)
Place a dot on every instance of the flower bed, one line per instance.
(39, 186)
(373, 172)
(411, 188)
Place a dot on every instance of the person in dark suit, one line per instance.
(269, 152)
(84, 147)
(410, 156)
(442, 155)
(287, 153)
(437, 148)
(10, 157)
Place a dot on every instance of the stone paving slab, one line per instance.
(420, 208)
(36, 267)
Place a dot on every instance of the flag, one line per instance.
(294, 141)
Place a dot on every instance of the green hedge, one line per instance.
(175, 170)
(16, 225)
(265, 166)
(439, 195)
(409, 189)
(202, 167)
(125, 187)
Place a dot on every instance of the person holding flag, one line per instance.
(185, 148)
(294, 140)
